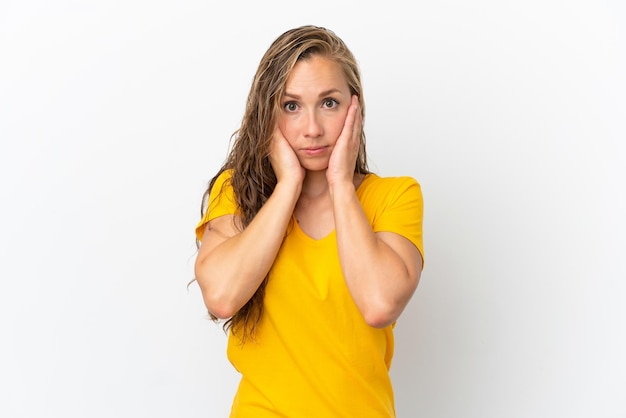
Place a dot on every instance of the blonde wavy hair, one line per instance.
(253, 179)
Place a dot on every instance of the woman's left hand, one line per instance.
(343, 158)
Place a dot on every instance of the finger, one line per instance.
(358, 119)
(351, 116)
(347, 131)
(355, 125)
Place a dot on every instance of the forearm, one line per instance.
(377, 277)
(231, 272)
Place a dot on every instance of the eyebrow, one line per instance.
(322, 94)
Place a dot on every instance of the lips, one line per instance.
(315, 150)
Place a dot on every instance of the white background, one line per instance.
(114, 115)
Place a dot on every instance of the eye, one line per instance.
(330, 103)
(290, 106)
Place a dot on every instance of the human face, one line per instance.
(314, 109)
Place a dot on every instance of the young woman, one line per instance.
(309, 256)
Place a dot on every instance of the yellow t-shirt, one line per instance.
(314, 355)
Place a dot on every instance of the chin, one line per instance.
(315, 167)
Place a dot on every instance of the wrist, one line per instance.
(341, 189)
(288, 187)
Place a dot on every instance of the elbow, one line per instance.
(380, 312)
(219, 310)
(379, 321)
(218, 304)
(381, 316)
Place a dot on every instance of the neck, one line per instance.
(315, 184)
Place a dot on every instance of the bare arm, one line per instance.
(381, 269)
(231, 265)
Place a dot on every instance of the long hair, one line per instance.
(253, 178)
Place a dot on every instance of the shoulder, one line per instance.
(222, 178)
(374, 179)
(221, 185)
(383, 194)
(375, 186)
(221, 201)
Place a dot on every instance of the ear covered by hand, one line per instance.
(346, 150)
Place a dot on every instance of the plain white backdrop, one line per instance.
(512, 116)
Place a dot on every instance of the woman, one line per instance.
(309, 256)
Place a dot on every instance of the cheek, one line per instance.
(335, 126)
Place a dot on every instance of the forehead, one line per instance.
(316, 73)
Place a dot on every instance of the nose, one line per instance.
(313, 128)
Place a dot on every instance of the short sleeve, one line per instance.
(221, 202)
(395, 205)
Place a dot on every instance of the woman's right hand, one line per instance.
(284, 159)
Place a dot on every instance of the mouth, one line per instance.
(315, 150)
